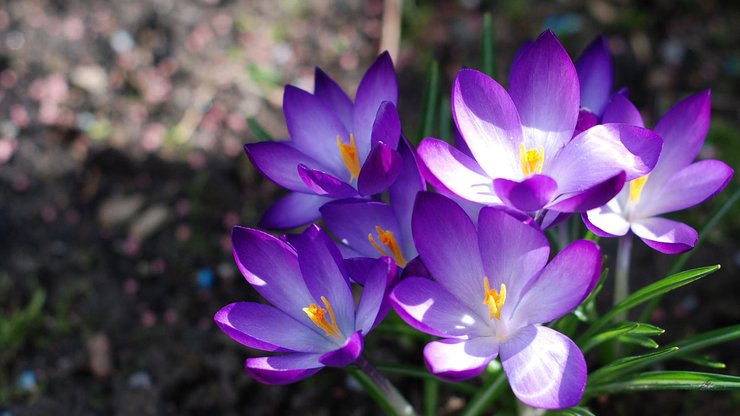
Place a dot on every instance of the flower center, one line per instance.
(349, 155)
(531, 159)
(494, 299)
(388, 240)
(636, 186)
(317, 314)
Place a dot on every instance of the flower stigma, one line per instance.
(388, 240)
(531, 159)
(636, 186)
(494, 299)
(349, 155)
(317, 314)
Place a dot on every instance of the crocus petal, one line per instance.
(590, 198)
(314, 128)
(513, 252)
(271, 267)
(325, 184)
(544, 86)
(370, 308)
(666, 236)
(253, 324)
(352, 220)
(387, 126)
(458, 173)
(457, 360)
(595, 74)
(448, 244)
(621, 110)
(683, 129)
(563, 284)
(358, 268)
(606, 221)
(430, 308)
(586, 120)
(345, 355)
(293, 210)
(379, 84)
(402, 194)
(323, 270)
(327, 90)
(600, 153)
(283, 369)
(380, 170)
(528, 195)
(488, 121)
(690, 186)
(278, 161)
(544, 367)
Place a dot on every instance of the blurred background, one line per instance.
(122, 171)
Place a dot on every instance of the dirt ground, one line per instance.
(122, 172)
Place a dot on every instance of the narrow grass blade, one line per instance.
(666, 380)
(430, 103)
(258, 131)
(488, 63)
(658, 288)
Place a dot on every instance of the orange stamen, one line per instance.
(389, 241)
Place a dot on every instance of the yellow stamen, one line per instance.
(389, 241)
(317, 314)
(349, 155)
(636, 186)
(531, 159)
(495, 300)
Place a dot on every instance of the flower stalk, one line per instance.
(621, 281)
(380, 388)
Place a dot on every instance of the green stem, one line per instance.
(622, 274)
(563, 237)
(431, 395)
(486, 395)
(377, 386)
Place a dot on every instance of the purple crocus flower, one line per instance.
(596, 79)
(675, 184)
(525, 155)
(491, 292)
(375, 228)
(313, 318)
(338, 149)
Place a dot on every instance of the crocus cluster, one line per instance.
(467, 263)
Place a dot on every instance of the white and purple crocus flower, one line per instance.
(524, 152)
(491, 292)
(313, 319)
(674, 184)
(338, 149)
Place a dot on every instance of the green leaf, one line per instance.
(647, 329)
(488, 63)
(658, 288)
(573, 411)
(628, 364)
(703, 361)
(612, 333)
(421, 373)
(429, 106)
(640, 340)
(258, 131)
(445, 120)
(486, 395)
(666, 380)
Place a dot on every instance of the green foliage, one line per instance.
(666, 380)
(19, 325)
(258, 131)
(431, 101)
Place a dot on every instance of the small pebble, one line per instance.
(205, 278)
(140, 380)
(27, 381)
(99, 350)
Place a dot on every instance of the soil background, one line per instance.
(122, 172)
